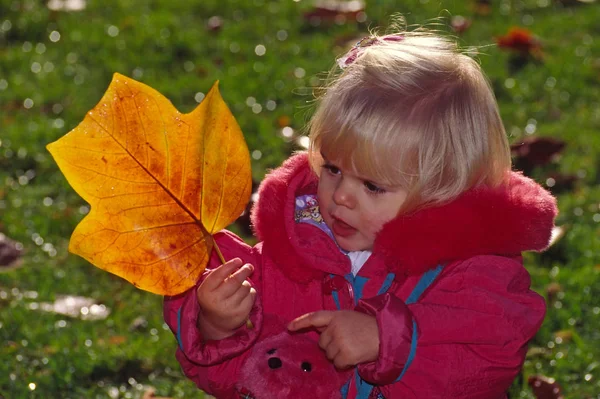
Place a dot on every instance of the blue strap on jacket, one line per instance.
(364, 388)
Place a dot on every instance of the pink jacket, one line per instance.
(464, 336)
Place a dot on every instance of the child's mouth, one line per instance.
(341, 228)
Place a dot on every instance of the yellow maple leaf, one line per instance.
(159, 183)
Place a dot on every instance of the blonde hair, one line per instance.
(416, 112)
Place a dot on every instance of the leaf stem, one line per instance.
(221, 258)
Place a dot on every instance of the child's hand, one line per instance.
(225, 298)
(347, 337)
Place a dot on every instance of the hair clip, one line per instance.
(366, 41)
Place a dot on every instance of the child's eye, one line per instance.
(334, 170)
(373, 188)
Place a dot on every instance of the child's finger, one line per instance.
(332, 351)
(247, 301)
(240, 294)
(319, 320)
(325, 339)
(218, 275)
(235, 280)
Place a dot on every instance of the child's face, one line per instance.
(354, 207)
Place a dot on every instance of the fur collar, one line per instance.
(506, 220)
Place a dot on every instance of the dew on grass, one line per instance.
(112, 31)
(60, 324)
(137, 73)
(550, 83)
(527, 19)
(282, 35)
(72, 58)
(36, 67)
(37, 239)
(189, 66)
(16, 293)
(48, 67)
(31, 294)
(54, 36)
(58, 123)
(258, 66)
(260, 50)
(113, 392)
(6, 25)
(234, 47)
(79, 79)
(40, 48)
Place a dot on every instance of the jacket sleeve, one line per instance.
(213, 365)
(466, 337)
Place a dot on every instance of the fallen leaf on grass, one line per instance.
(563, 335)
(521, 41)
(558, 182)
(536, 351)
(545, 387)
(10, 253)
(536, 151)
(159, 184)
(552, 291)
(483, 7)
(117, 339)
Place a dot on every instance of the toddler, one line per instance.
(397, 237)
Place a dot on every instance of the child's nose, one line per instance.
(343, 195)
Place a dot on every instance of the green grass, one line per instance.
(47, 86)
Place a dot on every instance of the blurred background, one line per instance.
(70, 330)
